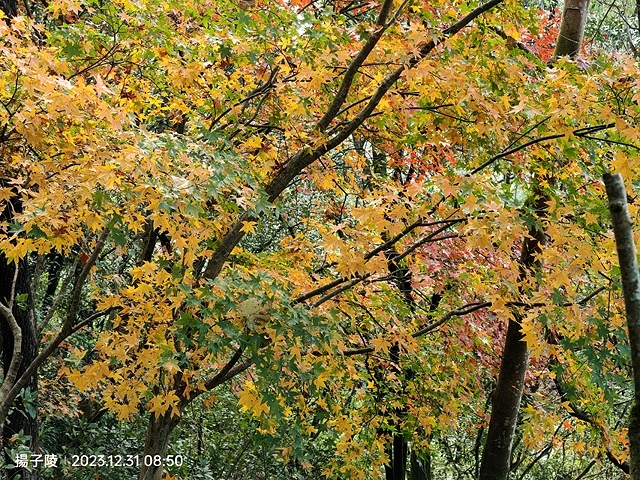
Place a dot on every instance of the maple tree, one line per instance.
(336, 207)
(496, 459)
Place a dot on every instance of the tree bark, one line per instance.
(622, 229)
(13, 285)
(20, 420)
(10, 8)
(156, 443)
(506, 399)
(420, 466)
(574, 19)
(396, 451)
(496, 457)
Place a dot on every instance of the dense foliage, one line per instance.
(290, 233)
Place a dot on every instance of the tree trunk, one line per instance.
(398, 449)
(506, 398)
(20, 419)
(420, 466)
(622, 229)
(156, 443)
(574, 19)
(397, 454)
(496, 457)
(10, 8)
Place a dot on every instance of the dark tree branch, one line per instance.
(222, 374)
(305, 157)
(511, 151)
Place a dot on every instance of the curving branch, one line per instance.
(576, 412)
(379, 249)
(14, 366)
(584, 132)
(221, 376)
(472, 307)
(67, 329)
(309, 154)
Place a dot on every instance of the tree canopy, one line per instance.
(319, 220)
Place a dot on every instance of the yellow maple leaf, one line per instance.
(621, 163)
(126, 411)
(248, 227)
(321, 380)
(381, 344)
(529, 336)
(79, 379)
(161, 403)
(250, 402)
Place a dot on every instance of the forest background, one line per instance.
(293, 239)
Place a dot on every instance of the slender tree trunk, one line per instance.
(496, 457)
(506, 398)
(420, 466)
(622, 229)
(20, 420)
(397, 453)
(398, 448)
(156, 443)
(574, 19)
(15, 285)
